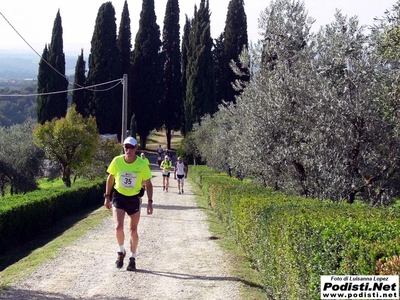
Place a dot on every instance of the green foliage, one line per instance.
(146, 74)
(41, 209)
(200, 98)
(72, 141)
(320, 116)
(186, 50)
(105, 101)
(188, 151)
(292, 241)
(235, 40)
(42, 109)
(389, 31)
(324, 239)
(133, 127)
(107, 150)
(79, 94)
(171, 101)
(124, 40)
(52, 79)
(203, 144)
(20, 159)
(15, 110)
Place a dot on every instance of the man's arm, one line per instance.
(109, 187)
(149, 191)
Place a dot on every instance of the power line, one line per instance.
(119, 81)
(25, 41)
(59, 92)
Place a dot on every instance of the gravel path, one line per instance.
(176, 259)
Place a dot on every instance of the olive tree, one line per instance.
(270, 112)
(20, 159)
(107, 150)
(314, 119)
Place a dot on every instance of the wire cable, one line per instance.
(119, 81)
(52, 93)
(25, 41)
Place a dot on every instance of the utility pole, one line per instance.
(124, 106)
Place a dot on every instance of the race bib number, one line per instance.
(128, 180)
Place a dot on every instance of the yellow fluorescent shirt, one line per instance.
(166, 165)
(147, 161)
(129, 177)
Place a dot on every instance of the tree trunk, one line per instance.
(143, 141)
(169, 137)
(66, 176)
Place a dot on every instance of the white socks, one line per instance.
(122, 249)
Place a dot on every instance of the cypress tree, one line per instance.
(124, 47)
(43, 112)
(146, 73)
(184, 59)
(52, 79)
(132, 126)
(200, 92)
(219, 70)
(78, 96)
(124, 40)
(105, 101)
(235, 40)
(172, 86)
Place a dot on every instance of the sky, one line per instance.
(34, 19)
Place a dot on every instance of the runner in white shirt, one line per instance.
(180, 173)
(160, 150)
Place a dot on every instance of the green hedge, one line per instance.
(23, 216)
(292, 241)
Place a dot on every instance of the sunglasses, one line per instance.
(129, 147)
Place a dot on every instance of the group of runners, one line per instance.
(180, 169)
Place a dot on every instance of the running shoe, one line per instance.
(132, 264)
(179, 192)
(182, 191)
(120, 260)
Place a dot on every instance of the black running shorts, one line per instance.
(130, 204)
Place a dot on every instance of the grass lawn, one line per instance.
(159, 138)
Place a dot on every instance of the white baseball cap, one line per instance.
(131, 141)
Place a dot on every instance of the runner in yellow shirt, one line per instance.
(166, 167)
(124, 190)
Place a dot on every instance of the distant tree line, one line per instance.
(16, 109)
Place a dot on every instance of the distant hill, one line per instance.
(18, 75)
(25, 65)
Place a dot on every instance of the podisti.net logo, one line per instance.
(359, 287)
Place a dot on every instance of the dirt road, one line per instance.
(176, 259)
